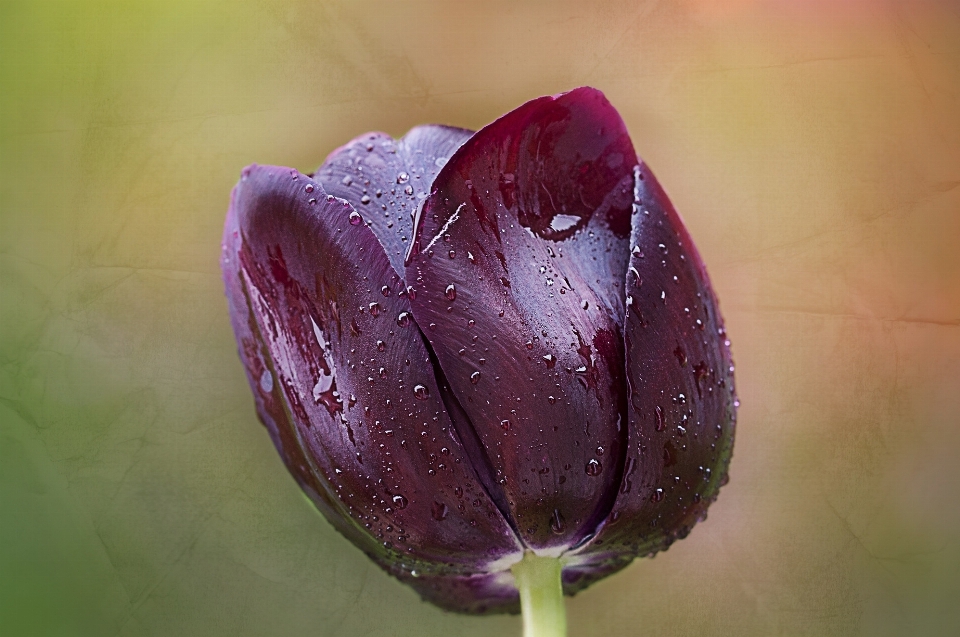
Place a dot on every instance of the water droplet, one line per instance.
(584, 304)
(505, 425)
(381, 346)
(657, 496)
(408, 189)
(365, 199)
(355, 218)
(308, 188)
(551, 399)
(403, 319)
(593, 468)
(452, 254)
(439, 511)
(383, 372)
(557, 523)
(346, 181)
(385, 290)
(475, 377)
(635, 275)
(403, 178)
(399, 501)
(450, 292)
(420, 392)
(681, 356)
(662, 247)
(550, 360)
(374, 309)
(266, 381)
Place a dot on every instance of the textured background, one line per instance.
(813, 149)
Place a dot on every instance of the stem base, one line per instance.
(541, 596)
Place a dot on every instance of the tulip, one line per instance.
(492, 360)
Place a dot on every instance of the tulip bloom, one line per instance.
(472, 347)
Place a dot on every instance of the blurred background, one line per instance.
(813, 149)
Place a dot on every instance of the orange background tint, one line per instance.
(812, 148)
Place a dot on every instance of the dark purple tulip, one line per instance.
(468, 345)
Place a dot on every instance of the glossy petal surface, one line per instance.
(348, 391)
(478, 594)
(518, 269)
(386, 179)
(682, 402)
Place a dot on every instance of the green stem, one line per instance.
(541, 596)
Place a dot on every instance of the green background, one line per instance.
(813, 149)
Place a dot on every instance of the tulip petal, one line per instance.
(517, 265)
(682, 402)
(386, 179)
(268, 394)
(344, 382)
(480, 594)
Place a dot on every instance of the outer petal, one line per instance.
(346, 389)
(682, 402)
(518, 266)
(386, 179)
(480, 594)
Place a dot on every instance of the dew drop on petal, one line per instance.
(420, 392)
(593, 467)
(266, 381)
(557, 523)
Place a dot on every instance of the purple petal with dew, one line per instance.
(387, 179)
(517, 267)
(682, 407)
(345, 384)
